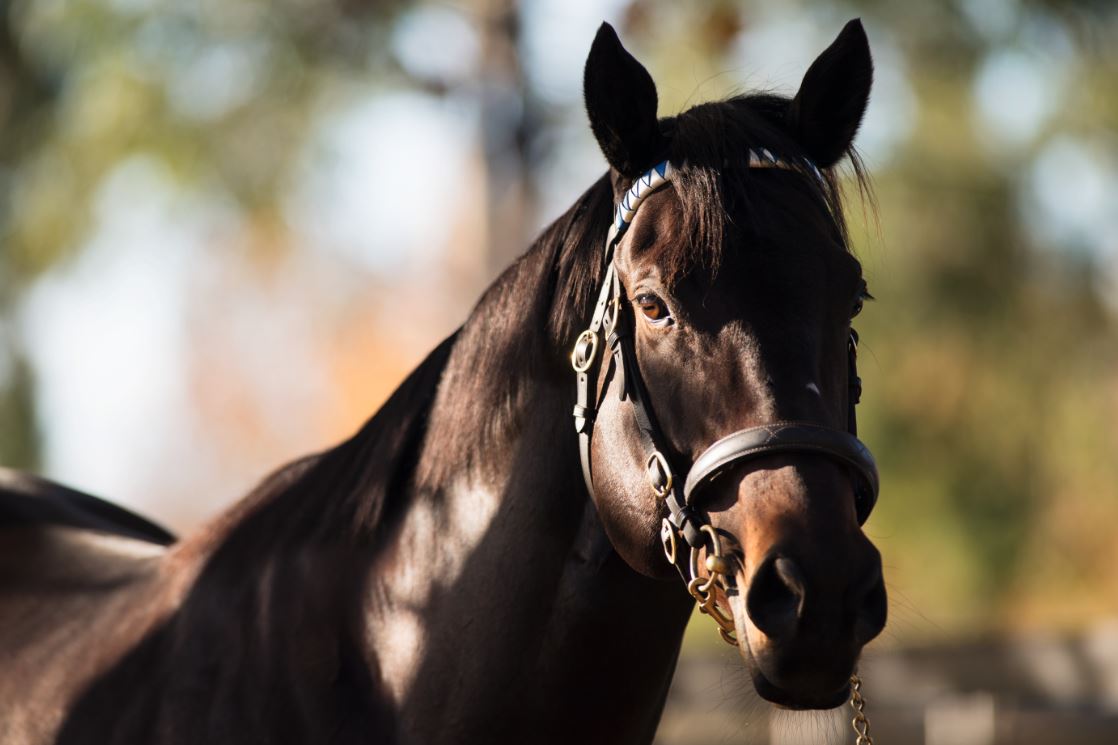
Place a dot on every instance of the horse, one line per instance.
(469, 567)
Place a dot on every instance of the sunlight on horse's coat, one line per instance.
(434, 543)
(398, 638)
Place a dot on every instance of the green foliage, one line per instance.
(84, 85)
(17, 424)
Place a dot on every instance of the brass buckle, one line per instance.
(586, 349)
(657, 458)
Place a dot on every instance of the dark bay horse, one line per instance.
(450, 574)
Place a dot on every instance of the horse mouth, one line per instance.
(797, 702)
(766, 689)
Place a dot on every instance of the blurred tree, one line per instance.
(25, 94)
(221, 92)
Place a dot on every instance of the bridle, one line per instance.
(684, 521)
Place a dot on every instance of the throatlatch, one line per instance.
(611, 330)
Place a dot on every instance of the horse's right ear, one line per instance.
(621, 103)
(827, 111)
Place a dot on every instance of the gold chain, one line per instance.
(860, 723)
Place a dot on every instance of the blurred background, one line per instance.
(230, 228)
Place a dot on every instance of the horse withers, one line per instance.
(470, 568)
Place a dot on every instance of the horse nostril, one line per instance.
(775, 600)
(872, 605)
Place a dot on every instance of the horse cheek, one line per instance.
(629, 512)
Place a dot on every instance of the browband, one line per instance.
(787, 437)
(662, 173)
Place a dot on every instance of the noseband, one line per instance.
(684, 520)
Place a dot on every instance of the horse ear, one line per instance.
(621, 103)
(826, 112)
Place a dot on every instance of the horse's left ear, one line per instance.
(827, 111)
(621, 103)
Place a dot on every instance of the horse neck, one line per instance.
(499, 597)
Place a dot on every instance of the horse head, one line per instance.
(724, 318)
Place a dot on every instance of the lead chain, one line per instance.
(860, 722)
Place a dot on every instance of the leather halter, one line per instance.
(609, 320)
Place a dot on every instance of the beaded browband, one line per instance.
(662, 173)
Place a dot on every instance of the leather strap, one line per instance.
(787, 437)
(587, 358)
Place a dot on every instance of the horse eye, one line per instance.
(652, 307)
(863, 295)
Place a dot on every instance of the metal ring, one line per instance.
(668, 539)
(658, 458)
(581, 360)
(715, 541)
(716, 561)
(693, 562)
(698, 590)
(698, 582)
